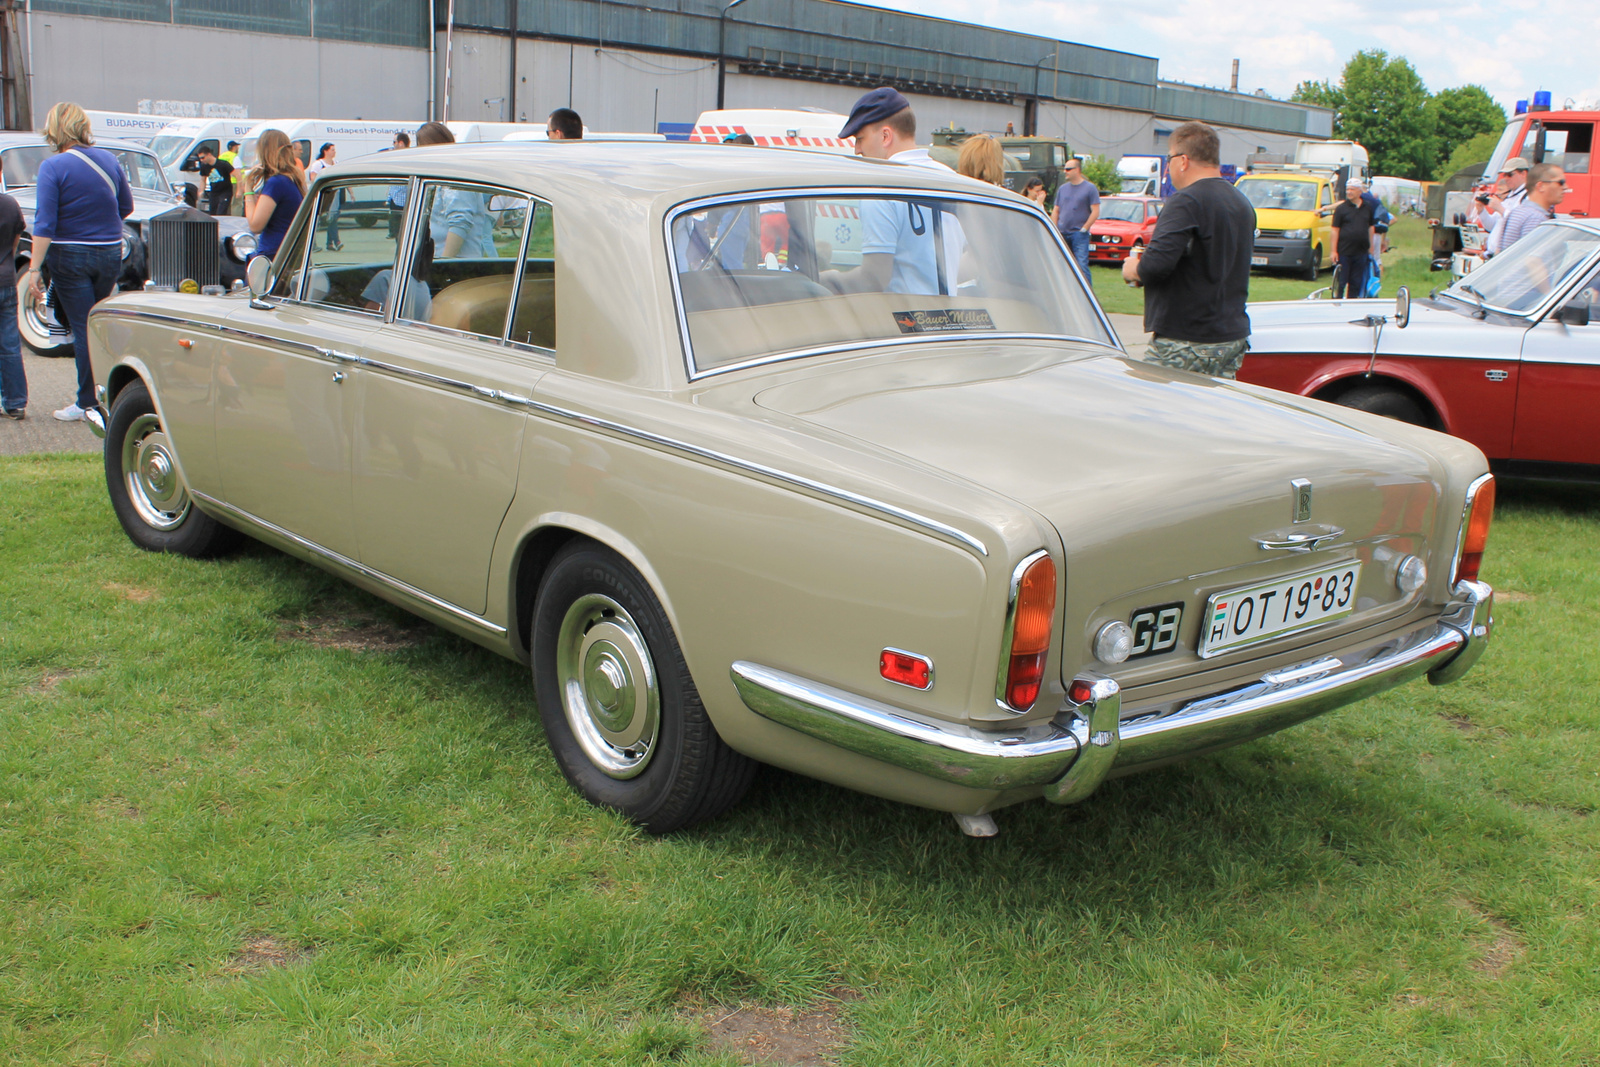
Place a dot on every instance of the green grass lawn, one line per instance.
(1406, 263)
(251, 816)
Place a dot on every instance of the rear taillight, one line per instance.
(1033, 612)
(1475, 529)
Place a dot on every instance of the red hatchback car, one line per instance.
(1125, 221)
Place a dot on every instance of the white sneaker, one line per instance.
(70, 413)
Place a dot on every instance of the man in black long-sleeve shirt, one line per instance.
(1196, 271)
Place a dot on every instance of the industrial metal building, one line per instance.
(623, 64)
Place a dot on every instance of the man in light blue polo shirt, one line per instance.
(900, 238)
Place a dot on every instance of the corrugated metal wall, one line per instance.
(399, 22)
(1235, 109)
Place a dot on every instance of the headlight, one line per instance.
(240, 245)
(1297, 235)
(1113, 239)
(127, 245)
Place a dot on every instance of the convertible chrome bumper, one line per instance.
(1088, 742)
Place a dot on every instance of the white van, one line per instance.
(179, 143)
(1403, 195)
(352, 137)
(472, 132)
(125, 125)
(808, 128)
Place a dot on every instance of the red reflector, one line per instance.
(1476, 536)
(906, 668)
(1030, 633)
(1080, 691)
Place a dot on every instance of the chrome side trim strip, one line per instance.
(933, 526)
(346, 563)
(897, 342)
(949, 753)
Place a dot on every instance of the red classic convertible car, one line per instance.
(1507, 358)
(1125, 222)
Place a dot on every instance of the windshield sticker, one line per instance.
(943, 320)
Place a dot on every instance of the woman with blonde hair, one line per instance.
(280, 186)
(981, 158)
(82, 198)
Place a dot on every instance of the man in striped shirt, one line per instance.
(1547, 186)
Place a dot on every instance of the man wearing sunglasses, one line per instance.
(1547, 187)
(1077, 208)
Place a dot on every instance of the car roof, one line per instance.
(24, 140)
(649, 171)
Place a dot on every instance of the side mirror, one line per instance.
(1402, 307)
(1573, 315)
(258, 273)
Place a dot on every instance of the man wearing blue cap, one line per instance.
(900, 240)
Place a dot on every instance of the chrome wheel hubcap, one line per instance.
(609, 690)
(154, 488)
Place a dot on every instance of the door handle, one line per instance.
(338, 376)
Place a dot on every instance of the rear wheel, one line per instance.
(31, 325)
(1387, 401)
(147, 491)
(620, 710)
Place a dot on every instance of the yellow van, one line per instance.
(1293, 209)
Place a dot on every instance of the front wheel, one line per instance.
(147, 491)
(1316, 264)
(1386, 401)
(620, 710)
(31, 325)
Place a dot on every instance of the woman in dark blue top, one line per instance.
(280, 186)
(83, 196)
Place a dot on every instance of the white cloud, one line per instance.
(1510, 47)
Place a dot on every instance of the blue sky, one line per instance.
(1511, 47)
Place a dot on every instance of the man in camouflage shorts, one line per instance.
(1196, 270)
(1219, 359)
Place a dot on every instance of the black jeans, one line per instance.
(83, 275)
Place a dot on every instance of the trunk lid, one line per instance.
(1159, 483)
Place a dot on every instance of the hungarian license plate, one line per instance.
(1256, 613)
(1258, 261)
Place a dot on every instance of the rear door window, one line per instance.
(463, 272)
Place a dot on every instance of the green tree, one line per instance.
(1102, 170)
(1477, 150)
(1386, 110)
(1322, 94)
(1460, 115)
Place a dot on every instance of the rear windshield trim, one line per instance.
(857, 191)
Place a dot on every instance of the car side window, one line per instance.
(352, 255)
(463, 267)
(534, 321)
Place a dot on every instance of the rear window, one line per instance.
(770, 279)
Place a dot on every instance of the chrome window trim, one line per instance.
(1008, 633)
(414, 231)
(1466, 513)
(857, 192)
(346, 562)
(933, 526)
(403, 254)
(892, 342)
(521, 267)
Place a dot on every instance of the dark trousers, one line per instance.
(13, 378)
(83, 275)
(1352, 282)
(219, 198)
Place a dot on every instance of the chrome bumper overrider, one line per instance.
(1072, 754)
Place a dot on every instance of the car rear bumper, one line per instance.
(1086, 743)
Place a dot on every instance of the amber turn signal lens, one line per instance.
(1030, 634)
(1476, 537)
